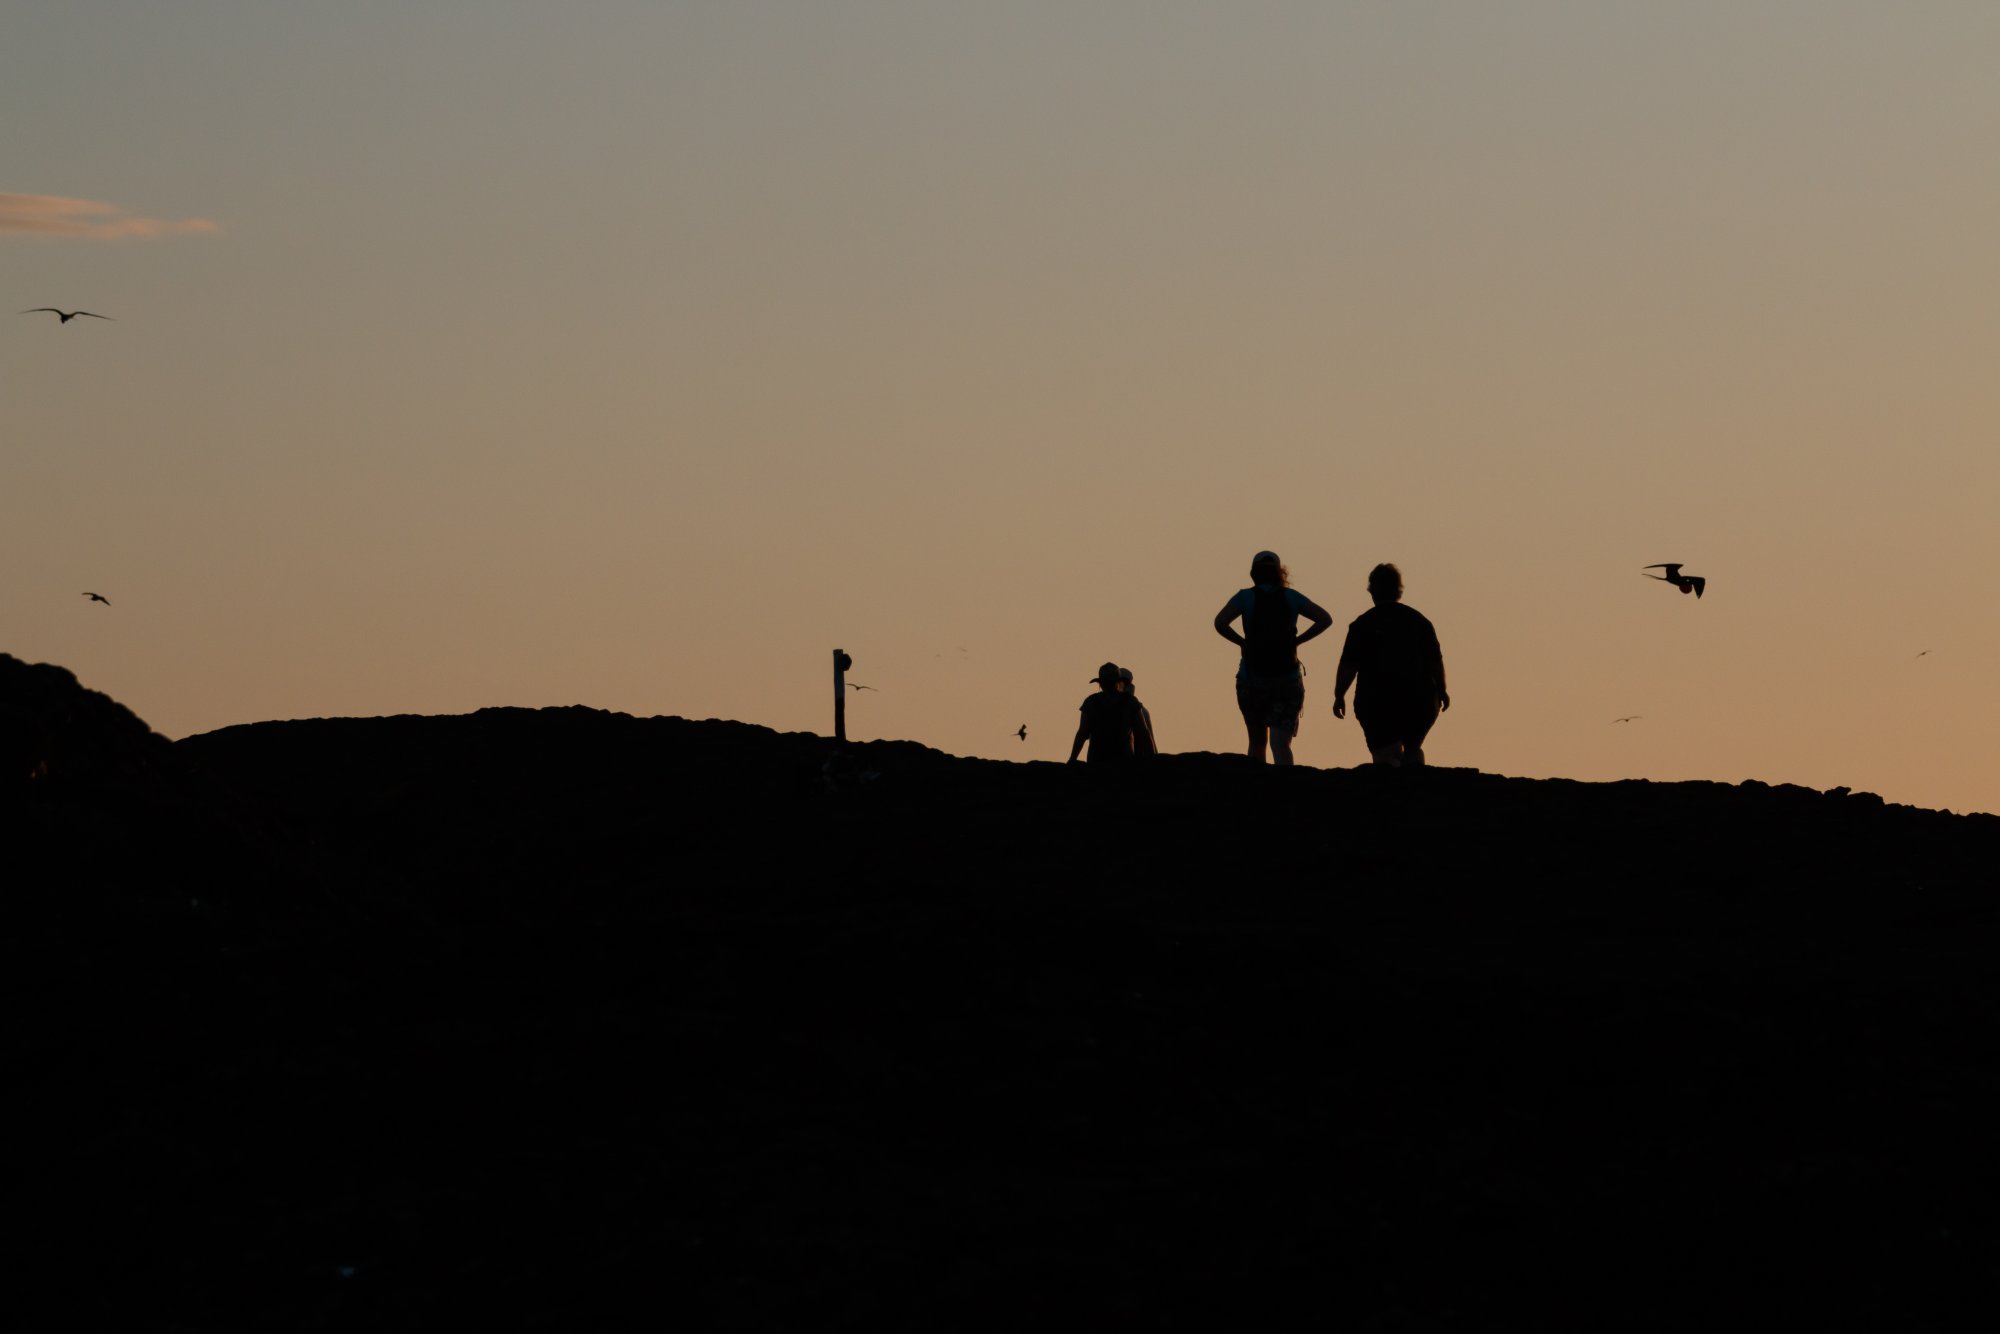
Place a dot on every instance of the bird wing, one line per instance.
(1672, 571)
(1698, 582)
(39, 309)
(93, 314)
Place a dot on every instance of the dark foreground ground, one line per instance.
(569, 1020)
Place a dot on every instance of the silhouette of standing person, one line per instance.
(1109, 718)
(1270, 685)
(1394, 651)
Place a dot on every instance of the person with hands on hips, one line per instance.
(1270, 684)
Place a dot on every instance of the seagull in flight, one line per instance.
(852, 686)
(1023, 733)
(1629, 718)
(1687, 583)
(67, 315)
(98, 597)
(1925, 654)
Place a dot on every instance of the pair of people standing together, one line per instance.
(1392, 649)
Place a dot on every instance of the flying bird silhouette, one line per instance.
(852, 686)
(1925, 654)
(1629, 718)
(1687, 583)
(66, 315)
(1023, 733)
(98, 597)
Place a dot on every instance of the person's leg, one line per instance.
(1288, 699)
(1281, 743)
(1423, 716)
(1255, 707)
(1385, 747)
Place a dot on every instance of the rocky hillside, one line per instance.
(571, 1020)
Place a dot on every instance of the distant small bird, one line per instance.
(852, 686)
(1925, 654)
(1023, 733)
(98, 597)
(1687, 583)
(67, 315)
(1629, 718)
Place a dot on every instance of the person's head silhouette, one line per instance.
(1385, 584)
(1266, 568)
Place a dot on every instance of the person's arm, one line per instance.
(1343, 675)
(1230, 611)
(1437, 657)
(1321, 618)
(1082, 735)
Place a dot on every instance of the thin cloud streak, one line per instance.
(54, 215)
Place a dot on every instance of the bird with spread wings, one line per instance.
(65, 316)
(1687, 583)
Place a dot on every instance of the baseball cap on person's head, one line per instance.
(1125, 675)
(1107, 674)
(1266, 558)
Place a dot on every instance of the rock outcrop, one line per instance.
(560, 1018)
(52, 728)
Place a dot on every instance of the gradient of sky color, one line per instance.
(637, 354)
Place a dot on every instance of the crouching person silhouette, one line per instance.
(1270, 685)
(1393, 650)
(1143, 742)
(1109, 720)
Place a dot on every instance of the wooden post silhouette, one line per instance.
(841, 662)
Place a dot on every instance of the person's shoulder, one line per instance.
(1298, 600)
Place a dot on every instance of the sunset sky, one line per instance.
(475, 352)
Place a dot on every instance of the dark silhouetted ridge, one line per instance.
(566, 1019)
